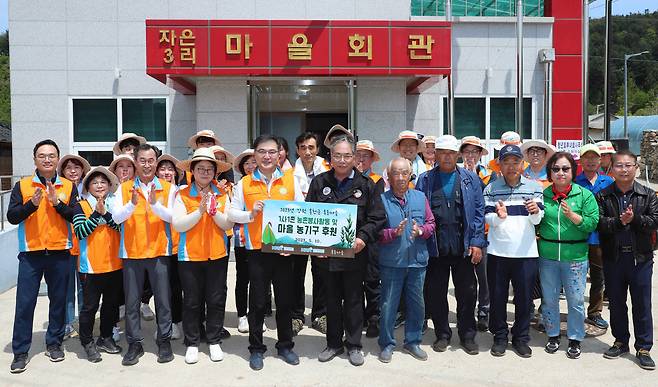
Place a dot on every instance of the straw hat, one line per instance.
(508, 138)
(430, 139)
(126, 136)
(245, 153)
(537, 144)
(332, 132)
(369, 146)
(220, 149)
(475, 141)
(204, 154)
(116, 160)
(62, 162)
(203, 133)
(404, 135)
(114, 181)
(606, 147)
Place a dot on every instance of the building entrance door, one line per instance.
(289, 108)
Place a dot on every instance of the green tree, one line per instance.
(4, 43)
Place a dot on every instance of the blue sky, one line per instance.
(597, 9)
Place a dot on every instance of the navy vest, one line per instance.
(448, 215)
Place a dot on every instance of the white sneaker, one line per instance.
(216, 353)
(116, 333)
(243, 324)
(122, 312)
(192, 355)
(147, 313)
(176, 331)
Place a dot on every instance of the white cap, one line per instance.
(447, 142)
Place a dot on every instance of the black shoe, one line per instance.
(92, 352)
(522, 349)
(440, 345)
(256, 361)
(470, 346)
(498, 348)
(165, 354)
(135, 351)
(573, 352)
(597, 321)
(646, 362)
(483, 323)
(616, 350)
(224, 334)
(288, 356)
(55, 353)
(107, 344)
(19, 364)
(552, 345)
(373, 328)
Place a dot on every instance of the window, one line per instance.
(94, 120)
(502, 117)
(146, 117)
(97, 157)
(476, 7)
(98, 122)
(470, 116)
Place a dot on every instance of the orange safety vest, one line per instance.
(144, 234)
(44, 229)
(375, 177)
(283, 188)
(99, 251)
(205, 241)
(75, 244)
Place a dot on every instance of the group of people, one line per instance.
(153, 226)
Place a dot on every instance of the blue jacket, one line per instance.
(402, 252)
(471, 189)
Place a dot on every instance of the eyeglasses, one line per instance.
(536, 151)
(204, 171)
(146, 161)
(625, 166)
(42, 157)
(558, 169)
(263, 152)
(341, 156)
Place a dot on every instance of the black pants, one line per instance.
(372, 288)
(241, 280)
(465, 283)
(31, 268)
(134, 273)
(176, 291)
(299, 263)
(344, 307)
(623, 276)
(204, 287)
(521, 273)
(319, 307)
(263, 269)
(95, 286)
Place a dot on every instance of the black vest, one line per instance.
(448, 215)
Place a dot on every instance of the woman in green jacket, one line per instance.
(570, 214)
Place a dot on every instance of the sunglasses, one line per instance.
(558, 169)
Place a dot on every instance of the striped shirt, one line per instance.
(514, 236)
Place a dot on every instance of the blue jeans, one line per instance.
(573, 277)
(396, 281)
(71, 293)
(31, 268)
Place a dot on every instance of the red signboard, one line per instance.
(297, 47)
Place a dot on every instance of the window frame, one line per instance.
(75, 147)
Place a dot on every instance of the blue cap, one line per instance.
(510, 150)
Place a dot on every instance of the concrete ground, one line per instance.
(453, 367)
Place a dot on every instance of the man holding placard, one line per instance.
(343, 277)
(250, 196)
